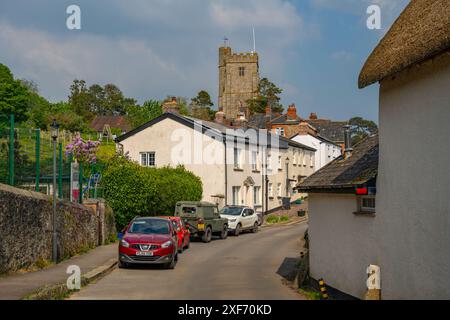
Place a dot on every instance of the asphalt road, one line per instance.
(238, 268)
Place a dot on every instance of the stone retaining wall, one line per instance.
(26, 228)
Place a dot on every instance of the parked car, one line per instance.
(183, 233)
(149, 241)
(240, 219)
(203, 219)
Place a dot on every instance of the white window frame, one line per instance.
(257, 196)
(362, 208)
(237, 158)
(279, 190)
(255, 160)
(147, 156)
(236, 195)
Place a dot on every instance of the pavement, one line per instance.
(240, 268)
(15, 287)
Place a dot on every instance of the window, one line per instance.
(311, 160)
(280, 131)
(241, 71)
(279, 163)
(270, 190)
(279, 190)
(147, 159)
(366, 204)
(257, 196)
(295, 158)
(304, 158)
(254, 161)
(236, 198)
(237, 158)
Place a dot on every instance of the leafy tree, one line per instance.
(97, 99)
(138, 115)
(14, 96)
(115, 101)
(268, 93)
(80, 99)
(361, 128)
(201, 106)
(203, 99)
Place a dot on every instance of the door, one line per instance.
(246, 218)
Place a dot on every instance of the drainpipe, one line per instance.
(226, 171)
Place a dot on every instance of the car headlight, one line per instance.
(167, 244)
(232, 220)
(125, 244)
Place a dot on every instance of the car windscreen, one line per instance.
(231, 211)
(186, 211)
(150, 226)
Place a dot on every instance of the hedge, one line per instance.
(132, 190)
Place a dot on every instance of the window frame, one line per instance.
(147, 155)
(241, 71)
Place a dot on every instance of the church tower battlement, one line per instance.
(238, 81)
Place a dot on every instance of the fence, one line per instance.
(26, 161)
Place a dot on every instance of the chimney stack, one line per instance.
(313, 116)
(220, 116)
(292, 111)
(171, 106)
(348, 142)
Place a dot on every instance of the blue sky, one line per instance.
(313, 49)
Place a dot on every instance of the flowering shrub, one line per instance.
(83, 151)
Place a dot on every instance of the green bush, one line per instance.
(132, 190)
(284, 218)
(272, 219)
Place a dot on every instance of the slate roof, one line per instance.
(360, 168)
(287, 119)
(329, 130)
(119, 122)
(259, 120)
(208, 125)
(420, 32)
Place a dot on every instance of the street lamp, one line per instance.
(54, 133)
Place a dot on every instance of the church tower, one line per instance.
(238, 81)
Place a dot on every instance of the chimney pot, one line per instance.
(348, 142)
(313, 116)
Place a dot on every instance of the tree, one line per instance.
(138, 115)
(201, 106)
(80, 99)
(14, 96)
(203, 99)
(268, 93)
(97, 99)
(361, 128)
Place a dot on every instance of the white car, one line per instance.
(240, 218)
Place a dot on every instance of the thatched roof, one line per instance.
(419, 33)
(346, 174)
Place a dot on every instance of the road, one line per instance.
(238, 268)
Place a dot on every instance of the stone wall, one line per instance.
(26, 228)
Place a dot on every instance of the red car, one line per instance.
(183, 233)
(149, 241)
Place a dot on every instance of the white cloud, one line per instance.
(157, 48)
(53, 62)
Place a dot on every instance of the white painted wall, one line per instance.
(166, 136)
(326, 152)
(341, 243)
(162, 137)
(413, 201)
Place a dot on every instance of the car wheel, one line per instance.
(224, 233)
(255, 228)
(171, 264)
(207, 235)
(181, 248)
(122, 265)
(237, 231)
